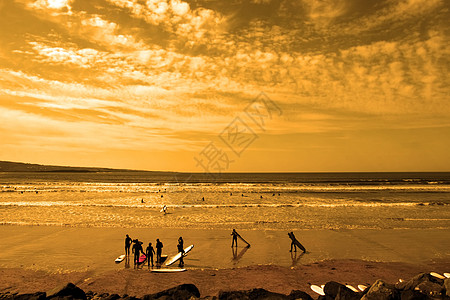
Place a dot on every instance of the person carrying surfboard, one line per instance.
(137, 249)
(295, 242)
(236, 235)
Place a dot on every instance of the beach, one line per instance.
(356, 228)
(210, 281)
(38, 258)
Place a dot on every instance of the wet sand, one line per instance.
(38, 258)
(210, 282)
(67, 249)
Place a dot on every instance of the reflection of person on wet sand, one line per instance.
(296, 257)
(236, 256)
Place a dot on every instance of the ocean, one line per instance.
(250, 201)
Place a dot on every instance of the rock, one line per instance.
(447, 286)
(344, 293)
(416, 280)
(35, 296)
(331, 288)
(68, 291)
(412, 295)
(430, 289)
(255, 294)
(296, 294)
(381, 291)
(181, 292)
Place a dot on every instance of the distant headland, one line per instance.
(9, 166)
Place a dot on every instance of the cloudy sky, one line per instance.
(226, 85)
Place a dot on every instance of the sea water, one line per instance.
(278, 201)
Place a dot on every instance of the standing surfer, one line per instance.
(127, 245)
(149, 252)
(181, 250)
(159, 247)
(234, 235)
(137, 249)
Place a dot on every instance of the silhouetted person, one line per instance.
(292, 242)
(234, 234)
(159, 247)
(127, 245)
(142, 200)
(295, 242)
(181, 250)
(164, 209)
(181, 242)
(149, 252)
(137, 249)
(203, 198)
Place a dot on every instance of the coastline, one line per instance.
(210, 281)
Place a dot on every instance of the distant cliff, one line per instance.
(8, 166)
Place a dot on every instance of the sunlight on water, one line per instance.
(322, 203)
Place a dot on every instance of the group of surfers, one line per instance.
(137, 249)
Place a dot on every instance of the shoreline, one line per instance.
(66, 249)
(273, 278)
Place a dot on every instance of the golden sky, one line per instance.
(341, 85)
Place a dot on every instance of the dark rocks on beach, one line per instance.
(420, 287)
(251, 295)
(296, 294)
(381, 291)
(35, 296)
(181, 292)
(262, 294)
(67, 292)
(447, 286)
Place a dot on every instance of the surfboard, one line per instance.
(362, 287)
(163, 209)
(242, 239)
(317, 289)
(167, 270)
(447, 275)
(120, 258)
(142, 259)
(437, 275)
(176, 257)
(352, 288)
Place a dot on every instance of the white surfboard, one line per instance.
(120, 258)
(317, 289)
(167, 270)
(176, 257)
(437, 275)
(352, 288)
(163, 209)
(362, 287)
(447, 275)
